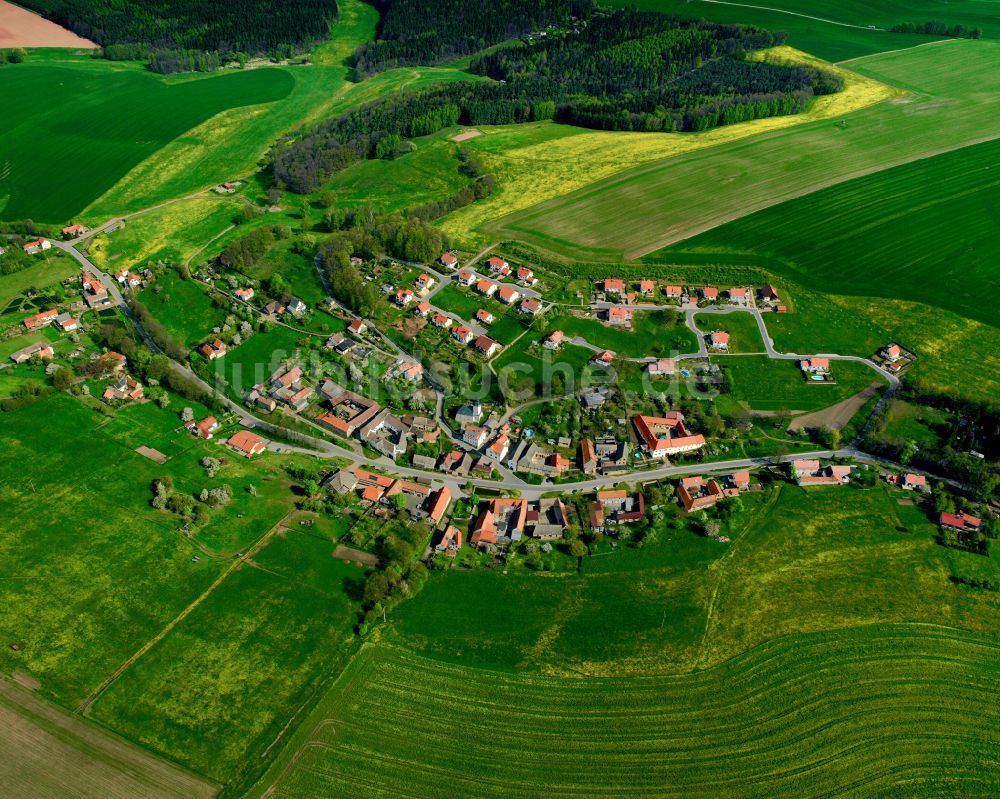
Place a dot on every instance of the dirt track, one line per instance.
(21, 28)
(836, 416)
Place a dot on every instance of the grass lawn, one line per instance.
(183, 306)
(521, 362)
(954, 99)
(744, 335)
(464, 302)
(768, 385)
(716, 671)
(883, 235)
(50, 269)
(256, 359)
(652, 333)
(916, 423)
(55, 169)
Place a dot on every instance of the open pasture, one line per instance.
(183, 305)
(954, 101)
(397, 723)
(924, 231)
(100, 120)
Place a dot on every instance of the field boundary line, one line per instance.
(259, 544)
(890, 52)
(796, 14)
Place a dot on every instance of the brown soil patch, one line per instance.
(22, 28)
(346, 553)
(465, 135)
(26, 680)
(836, 416)
(152, 454)
(906, 502)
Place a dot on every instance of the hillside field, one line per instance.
(683, 668)
(953, 100)
(924, 231)
(98, 121)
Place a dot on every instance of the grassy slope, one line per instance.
(682, 668)
(924, 231)
(744, 335)
(183, 306)
(100, 120)
(954, 101)
(52, 267)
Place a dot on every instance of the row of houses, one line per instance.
(64, 321)
(421, 501)
(646, 288)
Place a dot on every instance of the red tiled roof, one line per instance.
(246, 442)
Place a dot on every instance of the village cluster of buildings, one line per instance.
(645, 291)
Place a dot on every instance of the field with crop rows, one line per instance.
(954, 101)
(901, 706)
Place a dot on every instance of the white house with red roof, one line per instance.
(508, 295)
(466, 277)
(531, 306)
(619, 316)
(554, 339)
(815, 366)
(498, 265)
(662, 367)
(449, 260)
(214, 349)
(36, 246)
(74, 231)
(603, 359)
(423, 308)
(487, 346)
(43, 319)
(673, 292)
(646, 287)
(128, 279)
(499, 447)
(246, 443)
(404, 297)
(526, 276)
(205, 428)
(425, 281)
(710, 293)
(244, 294)
(440, 320)
(719, 340)
(357, 327)
(665, 435)
(613, 285)
(893, 352)
(739, 296)
(486, 287)
(462, 334)
(485, 316)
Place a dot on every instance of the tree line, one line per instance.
(938, 28)
(179, 35)
(624, 70)
(432, 31)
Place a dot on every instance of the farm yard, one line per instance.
(721, 649)
(953, 85)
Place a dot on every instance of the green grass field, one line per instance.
(652, 333)
(924, 232)
(954, 88)
(183, 306)
(824, 37)
(99, 121)
(682, 668)
(768, 385)
(742, 328)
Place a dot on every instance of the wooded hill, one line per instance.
(624, 70)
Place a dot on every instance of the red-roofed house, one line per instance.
(467, 278)
(126, 388)
(603, 359)
(646, 287)
(487, 346)
(244, 294)
(247, 443)
(498, 448)
(205, 428)
(812, 472)
(497, 264)
(422, 308)
(666, 435)
(486, 287)
(450, 541)
(893, 352)
(438, 504)
(673, 292)
(960, 521)
(740, 296)
(508, 295)
(531, 306)
(403, 297)
(554, 339)
(485, 316)
(614, 285)
(449, 260)
(43, 319)
(74, 230)
(462, 334)
(619, 316)
(662, 366)
(357, 327)
(815, 366)
(719, 340)
(526, 276)
(425, 281)
(36, 246)
(214, 349)
(371, 494)
(709, 293)
(440, 320)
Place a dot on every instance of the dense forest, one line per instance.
(624, 70)
(431, 31)
(136, 29)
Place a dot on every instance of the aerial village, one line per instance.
(488, 474)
